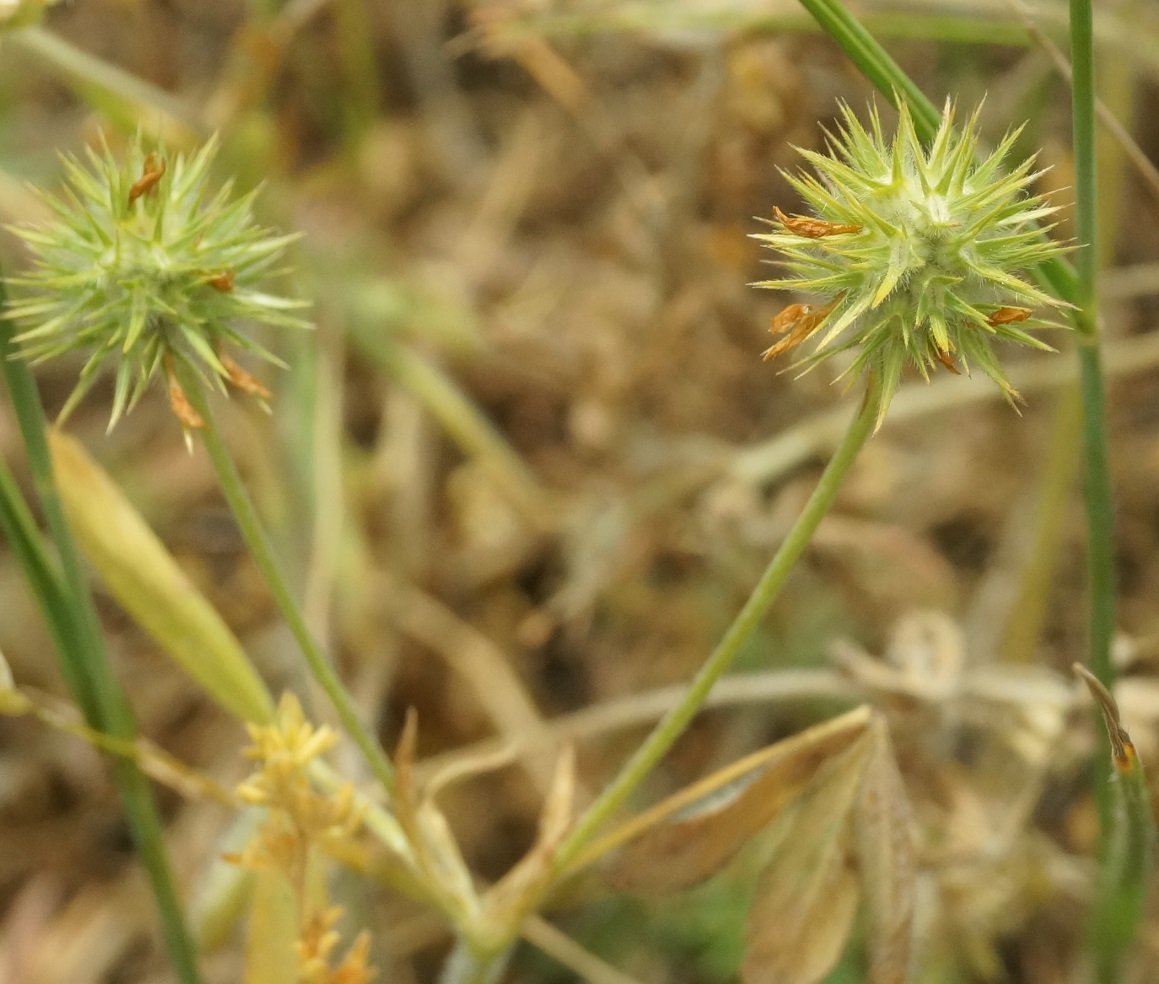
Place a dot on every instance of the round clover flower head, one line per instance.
(144, 268)
(918, 252)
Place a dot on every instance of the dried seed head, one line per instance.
(919, 252)
(145, 267)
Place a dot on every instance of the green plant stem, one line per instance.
(1097, 491)
(64, 596)
(262, 551)
(1100, 539)
(1125, 872)
(1100, 513)
(1086, 259)
(763, 595)
(1073, 284)
(1129, 847)
(1126, 826)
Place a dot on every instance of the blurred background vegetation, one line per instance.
(529, 463)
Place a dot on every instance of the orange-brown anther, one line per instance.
(802, 225)
(800, 321)
(182, 409)
(154, 170)
(240, 379)
(222, 282)
(1008, 315)
(948, 361)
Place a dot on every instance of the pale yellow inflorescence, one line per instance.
(301, 819)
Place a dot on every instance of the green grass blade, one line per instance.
(1075, 285)
(69, 608)
(1128, 854)
(1125, 820)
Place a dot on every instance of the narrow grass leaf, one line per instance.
(1128, 858)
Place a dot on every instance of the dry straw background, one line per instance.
(542, 208)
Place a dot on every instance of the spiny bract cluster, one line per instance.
(144, 268)
(918, 252)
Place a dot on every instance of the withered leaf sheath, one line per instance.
(145, 266)
(919, 254)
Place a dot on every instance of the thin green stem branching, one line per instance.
(254, 534)
(673, 724)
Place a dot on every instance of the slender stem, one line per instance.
(65, 598)
(1121, 893)
(1086, 259)
(675, 721)
(262, 550)
(1100, 515)
(1097, 490)
(1128, 857)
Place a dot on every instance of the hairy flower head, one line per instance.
(918, 252)
(145, 268)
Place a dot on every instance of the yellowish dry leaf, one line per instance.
(147, 582)
(885, 859)
(801, 950)
(716, 816)
(807, 895)
(844, 833)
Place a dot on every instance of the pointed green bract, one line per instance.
(918, 252)
(145, 264)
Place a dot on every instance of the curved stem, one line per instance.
(262, 551)
(670, 728)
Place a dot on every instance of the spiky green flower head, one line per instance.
(147, 270)
(919, 253)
